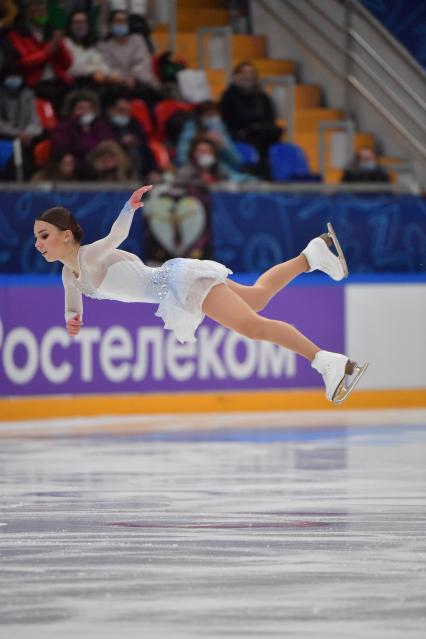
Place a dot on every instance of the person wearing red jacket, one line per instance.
(44, 58)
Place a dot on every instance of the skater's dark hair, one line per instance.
(64, 220)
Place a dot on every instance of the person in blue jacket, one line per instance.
(207, 123)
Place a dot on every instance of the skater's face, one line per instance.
(51, 242)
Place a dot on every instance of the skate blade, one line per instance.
(343, 391)
(338, 248)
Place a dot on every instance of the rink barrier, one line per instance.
(48, 407)
(126, 363)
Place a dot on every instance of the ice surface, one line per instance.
(262, 525)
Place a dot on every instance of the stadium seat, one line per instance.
(249, 153)
(46, 114)
(164, 110)
(6, 152)
(41, 152)
(160, 154)
(140, 112)
(288, 162)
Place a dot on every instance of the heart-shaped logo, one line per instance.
(176, 223)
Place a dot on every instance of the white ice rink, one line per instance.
(263, 525)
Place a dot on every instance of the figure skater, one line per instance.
(187, 289)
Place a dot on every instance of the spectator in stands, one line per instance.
(207, 123)
(130, 135)
(109, 163)
(203, 165)
(365, 168)
(248, 111)
(138, 23)
(88, 68)
(18, 117)
(62, 168)
(44, 57)
(82, 128)
(129, 58)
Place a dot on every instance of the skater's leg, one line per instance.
(268, 284)
(227, 308)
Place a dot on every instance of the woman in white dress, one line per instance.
(186, 289)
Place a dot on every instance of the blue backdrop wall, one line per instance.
(251, 231)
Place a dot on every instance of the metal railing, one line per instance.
(346, 72)
(204, 34)
(343, 125)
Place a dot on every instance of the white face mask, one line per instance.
(86, 119)
(206, 160)
(120, 120)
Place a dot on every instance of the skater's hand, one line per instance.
(74, 325)
(135, 200)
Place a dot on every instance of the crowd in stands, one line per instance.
(88, 98)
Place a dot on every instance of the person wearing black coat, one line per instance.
(248, 111)
(365, 168)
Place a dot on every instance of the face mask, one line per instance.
(206, 160)
(211, 122)
(120, 120)
(40, 21)
(86, 119)
(13, 82)
(368, 165)
(79, 31)
(119, 30)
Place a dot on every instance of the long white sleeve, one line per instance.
(73, 297)
(99, 250)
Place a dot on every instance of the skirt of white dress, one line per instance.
(186, 283)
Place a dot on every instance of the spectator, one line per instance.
(62, 168)
(109, 163)
(138, 22)
(248, 111)
(88, 68)
(365, 168)
(129, 58)
(82, 128)
(208, 123)
(44, 57)
(18, 118)
(130, 135)
(204, 166)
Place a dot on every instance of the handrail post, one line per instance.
(172, 25)
(18, 160)
(226, 34)
(289, 82)
(346, 125)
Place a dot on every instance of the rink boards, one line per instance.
(124, 362)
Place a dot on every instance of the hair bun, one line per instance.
(78, 233)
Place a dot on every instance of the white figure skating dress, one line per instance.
(179, 286)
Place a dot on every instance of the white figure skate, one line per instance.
(340, 375)
(321, 258)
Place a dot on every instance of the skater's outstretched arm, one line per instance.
(120, 229)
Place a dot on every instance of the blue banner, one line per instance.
(251, 231)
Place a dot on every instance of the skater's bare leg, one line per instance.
(268, 284)
(226, 307)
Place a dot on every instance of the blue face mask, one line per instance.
(119, 30)
(13, 82)
(211, 121)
